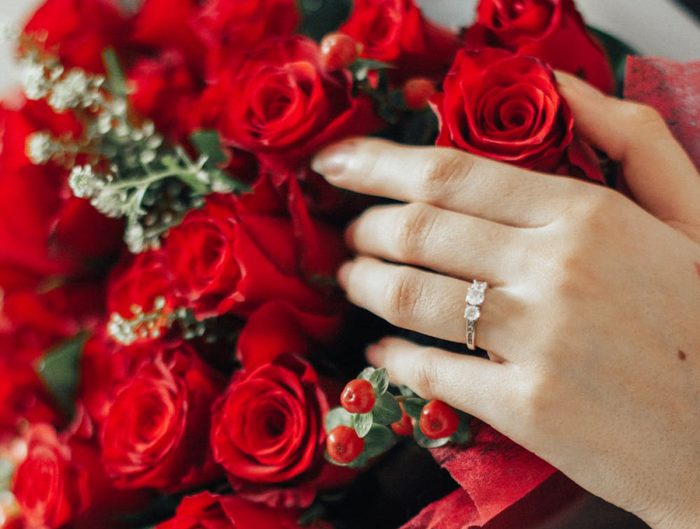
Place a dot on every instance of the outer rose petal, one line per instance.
(556, 35)
(80, 30)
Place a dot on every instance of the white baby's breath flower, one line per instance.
(33, 78)
(84, 182)
(110, 203)
(69, 92)
(40, 147)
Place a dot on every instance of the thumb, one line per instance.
(659, 173)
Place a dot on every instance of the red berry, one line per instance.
(358, 396)
(338, 51)
(344, 445)
(438, 420)
(417, 92)
(404, 426)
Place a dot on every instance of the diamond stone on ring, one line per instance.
(475, 297)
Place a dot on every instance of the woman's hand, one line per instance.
(593, 315)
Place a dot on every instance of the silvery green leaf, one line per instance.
(380, 381)
(337, 417)
(362, 422)
(386, 409)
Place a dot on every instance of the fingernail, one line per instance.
(344, 274)
(334, 160)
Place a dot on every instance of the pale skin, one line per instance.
(592, 318)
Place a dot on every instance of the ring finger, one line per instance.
(429, 303)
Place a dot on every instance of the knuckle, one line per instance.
(444, 167)
(426, 377)
(415, 223)
(403, 296)
(643, 116)
(538, 399)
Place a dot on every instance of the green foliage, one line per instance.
(386, 409)
(618, 52)
(59, 370)
(321, 17)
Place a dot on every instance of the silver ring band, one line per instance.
(472, 312)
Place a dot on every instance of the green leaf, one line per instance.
(208, 143)
(414, 406)
(617, 51)
(366, 373)
(406, 391)
(362, 422)
(386, 409)
(378, 441)
(337, 417)
(59, 369)
(463, 435)
(322, 16)
(380, 381)
(116, 80)
(425, 442)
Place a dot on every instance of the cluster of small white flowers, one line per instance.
(84, 182)
(151, 325)
(63, 90)
(41, 147)
(143, 326)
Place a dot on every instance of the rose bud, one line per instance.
(417, 92)
(338, 51)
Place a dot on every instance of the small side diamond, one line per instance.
(472, 313)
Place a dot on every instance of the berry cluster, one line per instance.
(372, 419)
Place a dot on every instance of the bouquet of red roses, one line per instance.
(173, 342)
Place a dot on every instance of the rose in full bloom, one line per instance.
(282, 105)
(211, 511)
(78, 30)
(229, 256)
(62, 480)
(267, 428)
(551, 30)
(153, 435)
(506, 107)
(395, 31)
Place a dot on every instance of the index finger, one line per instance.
(447, 178)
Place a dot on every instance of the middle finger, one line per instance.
(459, 245)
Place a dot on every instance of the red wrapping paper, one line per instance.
(674, 90)
(503, 486)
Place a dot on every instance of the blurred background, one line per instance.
(654, 27)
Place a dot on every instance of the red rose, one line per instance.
(282, 105)
(79, 30)
(61, 480)
(230, 27)
(153, 434)
(138, 281)
(164, 90)
(44, 230)
(395, 31)
(228, 256)
(267, 429)
(551, 30)
(506, 107)
(210, 511)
